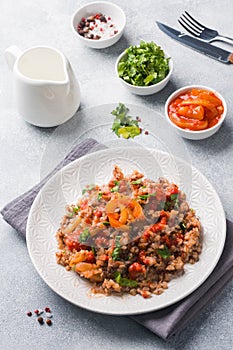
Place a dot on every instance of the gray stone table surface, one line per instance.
(42, 22)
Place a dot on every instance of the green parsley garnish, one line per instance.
(93, 250)
(137, 182)
(84, 235)
(145, 196)
(174, 203)
(164, 253)
(100, 194)
(88, 188)
(174, 196)
(143, 65)
(167, 205)
(116, 187)
(106, 223)
(161, 205)
(76, 209)
(124, 282)
(123, 124)
(117, 250)
(182, 226)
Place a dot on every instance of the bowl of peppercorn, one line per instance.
(98, 24)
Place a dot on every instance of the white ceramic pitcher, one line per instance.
(47, 92)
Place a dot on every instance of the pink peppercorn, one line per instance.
(49, 322)
(40, 320)
(38, 312)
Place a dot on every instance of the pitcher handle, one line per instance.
(11, 54)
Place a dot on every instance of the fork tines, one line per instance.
(190, 24)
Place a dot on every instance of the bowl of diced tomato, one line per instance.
(196, 111)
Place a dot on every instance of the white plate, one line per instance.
(65, 187)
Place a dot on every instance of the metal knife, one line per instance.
(196, 44)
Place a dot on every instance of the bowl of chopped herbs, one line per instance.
(144, 69)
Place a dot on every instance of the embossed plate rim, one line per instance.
(76, 290)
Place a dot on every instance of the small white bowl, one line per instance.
(191, 134)
(106, 8)
(144, 90)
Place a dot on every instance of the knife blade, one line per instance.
(196, 44)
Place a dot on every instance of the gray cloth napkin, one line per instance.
(166, 322)
(16, 212)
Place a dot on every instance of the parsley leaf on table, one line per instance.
(124, 125)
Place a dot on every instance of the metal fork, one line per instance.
(200, 31)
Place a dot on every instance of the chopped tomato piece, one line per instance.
(146, 234)
(157, 227)
(83, 205)
(98, 213)
(136, 269)
(90, 257)
(145, 294)
(163, 220)
(103, 257)
(173, 189)
(164, 213)
(73, 243)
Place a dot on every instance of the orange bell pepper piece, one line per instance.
(123, 216)
(129, 210)
(137, 209)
